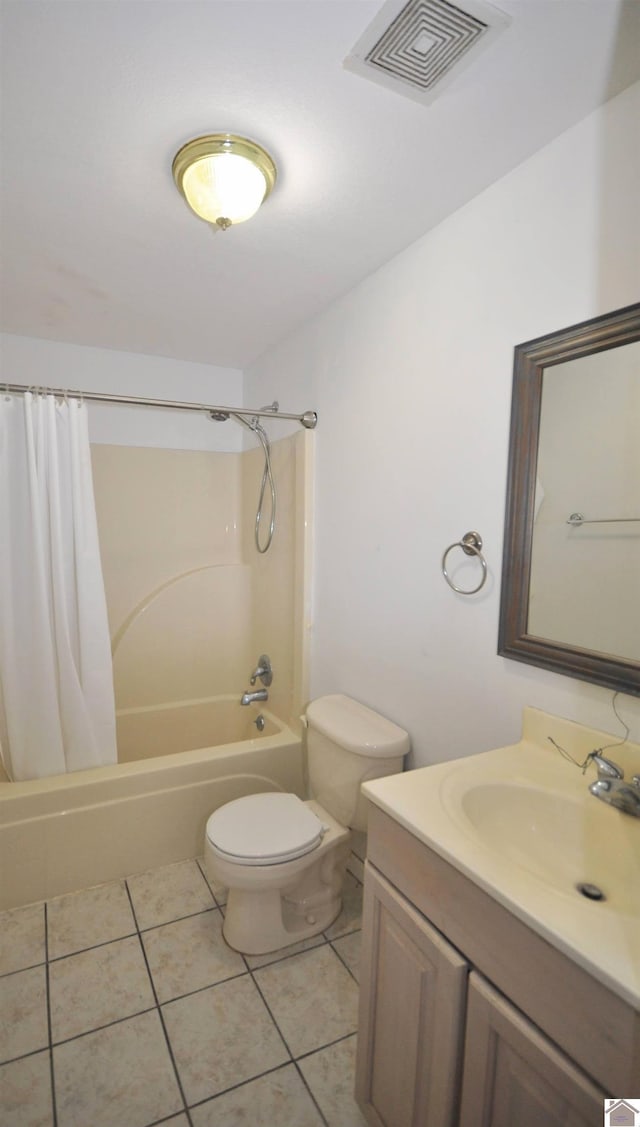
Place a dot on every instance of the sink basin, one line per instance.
(563, 840)
(519, 822)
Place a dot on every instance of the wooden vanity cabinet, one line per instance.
(513, 1074)
(411, 1014)
(467, 1018)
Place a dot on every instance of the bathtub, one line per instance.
(179, 762)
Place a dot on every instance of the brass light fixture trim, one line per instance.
(214, 145)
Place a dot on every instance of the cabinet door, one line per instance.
(412, 997)
(514, 1075)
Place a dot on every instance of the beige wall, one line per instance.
(191, 603)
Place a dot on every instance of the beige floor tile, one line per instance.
(222, 1036)
(312, 997)
(83, 919)
(348, 948)
(189, 955)
(98, 986)
(255, 961)
(350, 918)
(330, 1076)
(22, 938)
(169, 893)
(121, 1076)
(25, 1092)
(277, 1100)
(23, 1013)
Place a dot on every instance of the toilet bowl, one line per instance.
(283, 859)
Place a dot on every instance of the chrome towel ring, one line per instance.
(471, 545)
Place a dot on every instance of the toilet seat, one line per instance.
(264, 829)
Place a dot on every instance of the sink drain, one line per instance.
(591, 891)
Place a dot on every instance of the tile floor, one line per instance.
(122, 1006)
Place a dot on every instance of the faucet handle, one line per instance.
(263, 670)
(606, 768)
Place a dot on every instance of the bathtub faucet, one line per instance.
(249, 698)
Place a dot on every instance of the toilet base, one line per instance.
(281, 923)
(272, 906)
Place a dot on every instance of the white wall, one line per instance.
(76, 367)
(411, 375)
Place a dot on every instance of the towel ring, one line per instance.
(471, 545)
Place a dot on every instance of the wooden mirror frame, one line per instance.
(530, 361)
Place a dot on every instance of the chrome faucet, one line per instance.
(260, 694)
(263, 670)
(606, 768)
(611, 788)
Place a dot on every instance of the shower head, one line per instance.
(219, 416)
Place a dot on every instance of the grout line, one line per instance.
(315, 1102)
(54, 1109)
(99, 1028)
(92, 947)
(169, 1118)
(343, 961)
(160, 1013)
(200, 864)
(322, 941)
(242, 1084)
(329, 1045)
(268, 1009)
(32, 966)
(201, 989)
(178, 919)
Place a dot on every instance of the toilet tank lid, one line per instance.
(355, 727)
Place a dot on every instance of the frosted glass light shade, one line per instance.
(224, 178)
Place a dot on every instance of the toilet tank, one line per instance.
(348, 744)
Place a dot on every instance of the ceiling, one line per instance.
(98, 247)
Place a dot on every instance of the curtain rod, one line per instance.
(308, 419)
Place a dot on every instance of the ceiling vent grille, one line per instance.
(417, 46)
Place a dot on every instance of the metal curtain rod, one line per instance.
(308, 419)
(577, 519)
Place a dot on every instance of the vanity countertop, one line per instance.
(519, 821)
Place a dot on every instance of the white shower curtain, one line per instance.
(56, 686)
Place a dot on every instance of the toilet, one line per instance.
(283, 860)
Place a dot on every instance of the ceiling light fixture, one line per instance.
(224, 178)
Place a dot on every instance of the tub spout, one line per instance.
(249, 698)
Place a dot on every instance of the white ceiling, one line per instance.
(97, 96)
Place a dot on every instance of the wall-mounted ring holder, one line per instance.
(471, 545)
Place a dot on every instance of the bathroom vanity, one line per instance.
(492, 992)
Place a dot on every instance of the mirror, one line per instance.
(570, 599)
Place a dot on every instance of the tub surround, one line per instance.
(191, 603)
(186, 725)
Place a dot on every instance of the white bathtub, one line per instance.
(180, 762)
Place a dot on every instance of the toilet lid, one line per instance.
(264, 829)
